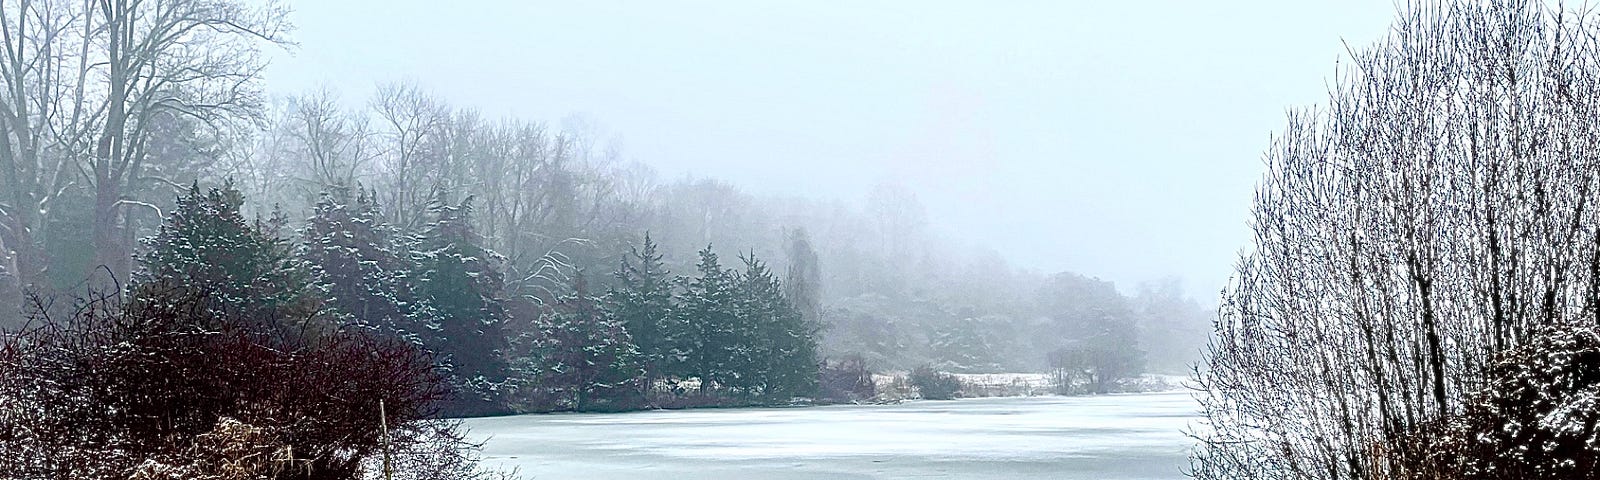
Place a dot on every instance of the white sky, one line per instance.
(1116, 139)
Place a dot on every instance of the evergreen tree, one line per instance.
(785, 364)
(804, 283)
(741, 334)
(361, 263)
(642, 301)
(462, 281)
(587, 359)
(715, 345)
(244, 269)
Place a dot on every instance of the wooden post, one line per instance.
(383, 420)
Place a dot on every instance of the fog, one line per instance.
(1119, 140)
(300, 239)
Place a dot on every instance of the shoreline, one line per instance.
(1174, 389)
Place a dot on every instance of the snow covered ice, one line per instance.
(1105, 437)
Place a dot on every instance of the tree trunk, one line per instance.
(108, 251)
(11, 290)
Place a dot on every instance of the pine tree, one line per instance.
(462, 281)
(586, 356)
(642, 300)
(361, 263)
(244, 269)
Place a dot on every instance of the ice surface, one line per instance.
(1106, 437)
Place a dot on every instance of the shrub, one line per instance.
(846, 380)
(165, 386)
(935, 385)
(1536, 418)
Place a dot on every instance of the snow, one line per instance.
(1107, 437)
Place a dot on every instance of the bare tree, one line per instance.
(44, 118)
(151, 58)
(336, 144)
(415, 125)
(1434, 215)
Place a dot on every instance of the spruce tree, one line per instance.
(462, 281)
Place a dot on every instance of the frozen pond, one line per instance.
(1108, 437)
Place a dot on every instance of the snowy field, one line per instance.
(1136, 436)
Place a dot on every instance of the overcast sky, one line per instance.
(1116, 139)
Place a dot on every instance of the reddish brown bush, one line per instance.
(111, 389)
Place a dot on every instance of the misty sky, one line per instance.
(1117, 139)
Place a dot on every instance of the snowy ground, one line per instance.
(1137, 436)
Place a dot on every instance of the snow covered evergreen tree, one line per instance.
(966, 345)
(739, 334)
(1535, 417)
(716, 344)
(244, 269)
(362, 264)
(462, 281)
(586, 358)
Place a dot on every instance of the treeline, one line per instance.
(727, 336)
(555, 201)
(240, 347)
(100, 137)
(732, 333)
